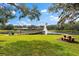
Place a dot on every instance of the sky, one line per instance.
(49, 18)
(45, 17)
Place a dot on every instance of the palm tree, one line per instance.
(67, 12)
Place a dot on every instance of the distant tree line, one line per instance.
(7, 27)
(66, 26)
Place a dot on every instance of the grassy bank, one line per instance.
(37, 45)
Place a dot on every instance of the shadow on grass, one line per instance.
(2, 40)
(33, 48)
(76, 42)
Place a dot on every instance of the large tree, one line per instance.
(7, 9)
(67, 12)
(32, 13)
(7, 12)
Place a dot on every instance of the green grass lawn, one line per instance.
(37, 45)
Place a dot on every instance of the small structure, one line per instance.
(68, 39)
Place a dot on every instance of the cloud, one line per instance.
(23, 23)
(20, 23)
(53, 18)
(44, 11)
(13, 12)
(77, 19)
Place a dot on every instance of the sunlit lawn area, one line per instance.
(37, 45)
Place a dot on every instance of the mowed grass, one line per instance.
(37, 45)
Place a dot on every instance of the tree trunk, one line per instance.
(3, 23)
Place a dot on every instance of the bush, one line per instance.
(9, 27)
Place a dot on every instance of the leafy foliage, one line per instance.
(34, 13)
(66, 26)
(6, 11)
(9, 27)
(67, 12)
(31, 13)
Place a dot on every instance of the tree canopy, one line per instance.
(8, 11)
(31, 13)
(67, 12)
